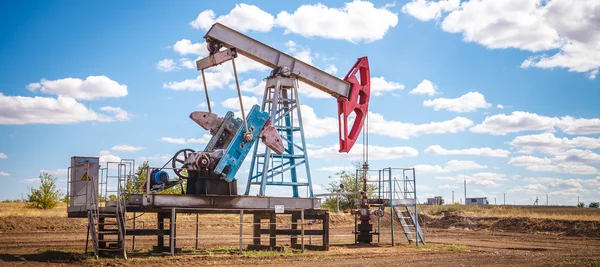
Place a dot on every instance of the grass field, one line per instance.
(538, 212)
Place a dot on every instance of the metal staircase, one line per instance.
(401, 196)
(408, 220)
(106, 219)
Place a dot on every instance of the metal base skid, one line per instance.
(221, 202)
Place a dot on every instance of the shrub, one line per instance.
(46, 196)
(594, 205)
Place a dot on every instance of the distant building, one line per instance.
(477, 201)
(437, 200)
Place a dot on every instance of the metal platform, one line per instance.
(221, 202)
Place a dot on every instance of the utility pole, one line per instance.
(578, 201)
(546, 199)
(494, 201)
(452, 197)
(465, 191)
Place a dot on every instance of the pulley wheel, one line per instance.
(178, 160)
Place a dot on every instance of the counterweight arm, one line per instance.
(352, 92)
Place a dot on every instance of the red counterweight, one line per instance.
(357, 103)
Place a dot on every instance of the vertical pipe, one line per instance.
(379, 229)
(391, 203)
(379, 187)
(241, 228)
(196, 231)
(465, 191)
(133, 237)
(302, 227)
(310, 236)
(416, 213)
(172, 232)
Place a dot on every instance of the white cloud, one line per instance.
(57, 171)
(502, 124)
(379, 86)
(485, 151)
(557, 165)
(181, 141)
(4, 173)
(578, 156)
(107, 156)
(187, 63)
(205, 105)
(331, 69)
(532, 189)
(93, 87)
(336, 168)
(426, 10)
(310, 92)
(166, 65)
(551, 183)
(548, 143)
(378, 125)
(118, 113)
(213, 80)
(368, 22)
(218, 76)
(488, 179)
(447, 186)
(156, 159)
(315, 126)
(20, 110)
(375, 152)
(468, 102)
(126, 148)
(451, 166)
(500, 106)
(242, 17)
(592, 74)
(571, 27)
(253, 86)
(426, 87)
(234, 103)
(518, 121)
(571, 125)
(186, 47)
(3, 156)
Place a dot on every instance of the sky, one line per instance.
(502, 94)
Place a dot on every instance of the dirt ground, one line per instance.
(31, 241)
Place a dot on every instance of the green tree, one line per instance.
(594, 205)
(349, 182)
(46, 196)
(133, 184)
(581, 205)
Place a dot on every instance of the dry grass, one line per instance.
(22, 210)
(538, 212)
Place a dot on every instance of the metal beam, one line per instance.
(274, 58)
(223, 202)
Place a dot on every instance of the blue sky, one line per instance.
(505, 97)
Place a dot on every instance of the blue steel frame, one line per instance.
(267, 169)
(236, 151)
